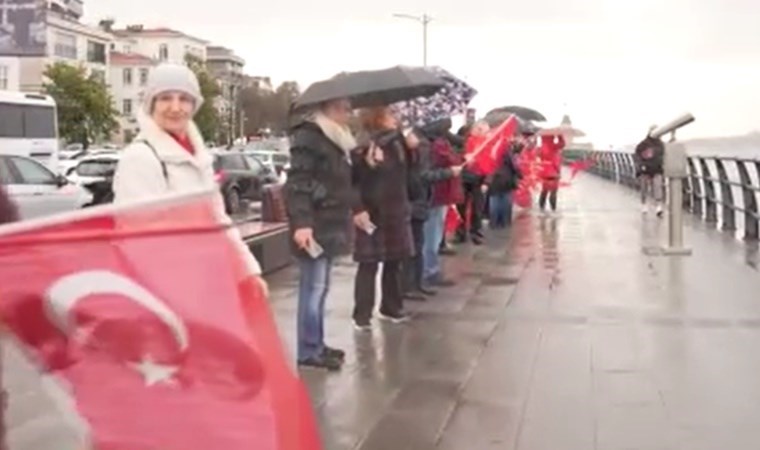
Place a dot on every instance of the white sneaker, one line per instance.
(645, 209)
(660, 211)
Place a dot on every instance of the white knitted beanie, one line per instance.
(172, 77)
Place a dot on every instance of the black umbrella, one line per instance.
(372, 87)
(520, 111)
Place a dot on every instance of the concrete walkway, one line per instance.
(563, 334)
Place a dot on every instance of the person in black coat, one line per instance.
(501, 185)
(649, 158)
(421, 175)
(383, 224)
(8, 210)
(319, 199)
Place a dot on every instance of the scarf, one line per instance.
(337, 133)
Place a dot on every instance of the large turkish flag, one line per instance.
(147, 319)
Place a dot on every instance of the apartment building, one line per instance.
(227, 68)
(162, 44)
(128, 77)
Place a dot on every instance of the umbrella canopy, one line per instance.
(520, 111)
(372, 87)
(450, 100)
(564, 130)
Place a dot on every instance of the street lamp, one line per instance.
(424, 20)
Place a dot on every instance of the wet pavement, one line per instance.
(563, 334)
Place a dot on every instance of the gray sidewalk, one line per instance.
(561, 335)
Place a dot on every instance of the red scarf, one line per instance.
(184, 142)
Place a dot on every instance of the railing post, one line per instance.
(696, 189)
(750, 202)
(726, 198)
(711, 207)
(675, 171)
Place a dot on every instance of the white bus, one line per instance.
(29, 127)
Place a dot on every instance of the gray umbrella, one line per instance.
(520, 111)
(372, 87)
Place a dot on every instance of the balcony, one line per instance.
(69, 8)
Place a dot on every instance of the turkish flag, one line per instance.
(487, 152)
(147, 319)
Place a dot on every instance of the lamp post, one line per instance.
(424, 20)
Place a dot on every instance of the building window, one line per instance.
(65, 45)
(126, 107)
(143, 77)
(3, 77)
(96, 52)
(98, 75)
(163, 52)
(127, 77)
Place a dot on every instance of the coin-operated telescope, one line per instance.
(672, 126)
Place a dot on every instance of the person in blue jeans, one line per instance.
(501, 185)
(319, 199)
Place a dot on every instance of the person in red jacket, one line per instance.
(550, 155)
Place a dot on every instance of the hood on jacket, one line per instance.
(165, 145)
(439, 128)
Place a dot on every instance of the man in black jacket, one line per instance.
(649, 159)
(421, 176)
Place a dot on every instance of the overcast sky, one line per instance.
(616, 66)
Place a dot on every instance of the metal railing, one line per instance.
(721, 190)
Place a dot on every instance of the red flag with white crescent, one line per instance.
(148, 324)
(486, 153)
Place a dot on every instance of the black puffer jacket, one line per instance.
(319, 193)
(650, 156)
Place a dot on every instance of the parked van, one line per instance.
(29, 127)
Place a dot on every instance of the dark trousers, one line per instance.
(551, 192)
(411, 272)
(473, 195)
(392, 302)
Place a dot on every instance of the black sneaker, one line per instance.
(395, 318)
(477, 240)
(415, 296)
(362, 325)
(427, 291)
(334, 353)
(323, 362)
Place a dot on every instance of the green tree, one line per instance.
(85, 108)
(266, 109)
(207, 117)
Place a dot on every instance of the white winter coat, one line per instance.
(139, 174)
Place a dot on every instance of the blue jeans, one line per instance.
(433, 230)
(500, 209)
(312, 292)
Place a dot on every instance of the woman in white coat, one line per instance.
(169, 155)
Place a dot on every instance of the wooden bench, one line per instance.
(269, 238)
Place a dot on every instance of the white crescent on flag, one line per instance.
(64, 294)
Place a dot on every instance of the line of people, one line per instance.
(382, 194)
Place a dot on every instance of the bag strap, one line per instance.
(161, 161)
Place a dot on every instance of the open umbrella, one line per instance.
(371, 87)
(520, 111)
(450, 100)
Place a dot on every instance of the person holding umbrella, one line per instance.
(380, 177)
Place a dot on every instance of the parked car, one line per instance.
(274, 159)
(95, 173)
(241, 179)
(37, 190)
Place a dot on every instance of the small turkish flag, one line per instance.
(487, 152)
(147, 317)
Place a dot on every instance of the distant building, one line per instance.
(9, 73)
(54, 36)
(262, 83)
(227, 68)
(162, 44)
(128, 77)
